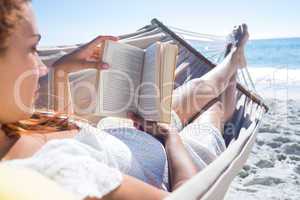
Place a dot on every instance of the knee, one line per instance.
(206, 87)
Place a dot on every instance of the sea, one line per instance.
(274, 66)
(276, 53)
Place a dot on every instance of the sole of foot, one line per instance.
(242, 37)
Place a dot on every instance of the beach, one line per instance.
(276, 83)
(273, 168)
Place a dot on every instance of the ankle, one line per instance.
(236, 56)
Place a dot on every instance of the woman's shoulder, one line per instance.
(69, 162)
(28, 145)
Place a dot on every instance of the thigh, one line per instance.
(204, 138)
(190, 99)
(214, 115)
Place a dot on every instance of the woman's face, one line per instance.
(20, 69)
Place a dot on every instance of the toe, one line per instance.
(245, 27)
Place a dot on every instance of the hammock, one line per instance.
(198, 54)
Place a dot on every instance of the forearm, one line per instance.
(6, 143)
(181, 166)
(62, 93)
(85, 57)
(134, 189)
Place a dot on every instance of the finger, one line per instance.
(150, 127)
(138, 122)
(135, 117)
(97, 52)
(245, 28)
(240, 28)
(162, 129)
(93, 64)
(98, 40)
(138, 126)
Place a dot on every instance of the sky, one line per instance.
(65, 22)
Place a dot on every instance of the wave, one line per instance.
(274, 82)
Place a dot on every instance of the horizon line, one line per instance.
(251, 39)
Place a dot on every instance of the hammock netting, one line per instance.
(198, 54)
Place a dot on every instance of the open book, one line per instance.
(138, 80)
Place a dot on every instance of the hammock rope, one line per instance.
(193, 62)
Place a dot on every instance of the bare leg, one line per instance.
(191, 98)
(213, 115)
(229, 98)
(221, 111)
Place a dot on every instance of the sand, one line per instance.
(273, 168)
(277, 83)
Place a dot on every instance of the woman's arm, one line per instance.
(133, 189)
(85, 57)
(6, 143)
(35, 186)
(62, 93)
(181, 166)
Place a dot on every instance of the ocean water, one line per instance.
(276, 53)
(274, 64)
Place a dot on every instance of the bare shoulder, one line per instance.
(27, 145)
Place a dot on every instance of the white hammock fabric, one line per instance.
(212, 183)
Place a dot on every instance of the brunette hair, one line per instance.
(42, 122)
(10, 14)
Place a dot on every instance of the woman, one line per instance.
(93, 163)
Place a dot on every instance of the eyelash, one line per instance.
(34, 49)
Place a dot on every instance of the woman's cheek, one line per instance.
(27, 85)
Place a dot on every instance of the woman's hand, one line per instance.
(86, 56)
(158, 130)
(181, 166)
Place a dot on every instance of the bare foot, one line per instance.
(245, 35)
(243, 42)
(243, 60)
(239, 38)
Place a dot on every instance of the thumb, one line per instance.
(98, 40)
(94, 64)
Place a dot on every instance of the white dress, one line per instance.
(92, 163)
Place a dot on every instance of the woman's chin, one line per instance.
(25, 115)
(16, 117)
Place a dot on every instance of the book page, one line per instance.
(149, 93)
(83, 86)
(118, 85)
(145, 41)
(169, 55)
